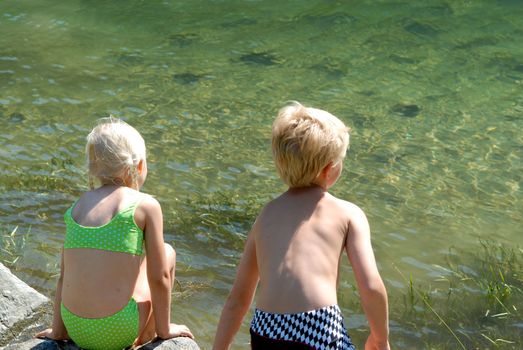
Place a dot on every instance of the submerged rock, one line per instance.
(418, 28)
(259, 58)
(183, 39)
(406, 110)
(239, 22)
(187, 78)
(478, 42)
(129, 58)
(326, 21)
(16, 118)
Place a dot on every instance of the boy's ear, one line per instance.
(326, 169)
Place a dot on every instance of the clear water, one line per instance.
(433, 91)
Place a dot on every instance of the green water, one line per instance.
(433, 91)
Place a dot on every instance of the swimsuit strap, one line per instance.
(120, 234)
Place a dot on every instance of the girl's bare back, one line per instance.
(98, 283)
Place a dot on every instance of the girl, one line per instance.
(108, 295)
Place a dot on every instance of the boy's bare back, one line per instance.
(292, 254)
(300, 237)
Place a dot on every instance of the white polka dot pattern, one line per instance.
(114, 332)
(121, 234)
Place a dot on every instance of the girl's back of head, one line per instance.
(114, 149)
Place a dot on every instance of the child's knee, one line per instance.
(170, 253)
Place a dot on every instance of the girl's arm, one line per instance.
(240, 298)
(57, 331)
(373, 294)
(159, 271)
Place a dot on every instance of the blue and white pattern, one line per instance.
(321, 329)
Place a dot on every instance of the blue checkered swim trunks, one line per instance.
(320, 329)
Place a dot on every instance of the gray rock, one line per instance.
(41, 344)
(20, 306)
(23, 310)
(181, 343)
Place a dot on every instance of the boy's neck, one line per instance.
(313, 187)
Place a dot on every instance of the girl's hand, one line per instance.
(178, 330)
(373, 344)
(48, 333)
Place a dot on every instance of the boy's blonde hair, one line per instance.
(304, 141)
(114, 149)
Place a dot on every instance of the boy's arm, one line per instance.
(240, 298)
(57, 330)
(370, 285)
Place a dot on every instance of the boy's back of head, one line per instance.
(304, 141)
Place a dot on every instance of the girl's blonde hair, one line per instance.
(304, 141)
(114, 149)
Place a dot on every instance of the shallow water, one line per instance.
(433, 91)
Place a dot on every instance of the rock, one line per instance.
(181, 343)
(41, 344)
(46, 344)
(20, 306)
(406, 110)
(259, 58)
(23, 309)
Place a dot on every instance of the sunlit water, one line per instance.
(433, 91)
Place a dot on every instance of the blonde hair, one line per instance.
(304, 141)
(114, 149)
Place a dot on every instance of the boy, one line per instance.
(294, 249)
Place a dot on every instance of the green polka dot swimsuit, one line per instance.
(121, 234)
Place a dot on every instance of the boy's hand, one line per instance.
(373, 344)
(49, 333)
(178, 330)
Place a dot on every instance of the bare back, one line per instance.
(299, 239)
(98, 283)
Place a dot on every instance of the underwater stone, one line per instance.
(407, 111)
(183, 39)
(240, 22)
(478, 42)
(330, 20)
(519, 68)
(186, 78)
(417, 28)
(16, 118)
(259, 58)
(333, 70)
(402, 59)
(129, 58)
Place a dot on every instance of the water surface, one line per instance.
(433, 91)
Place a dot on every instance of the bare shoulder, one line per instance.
(149, 203)
(148, 208)
(352, 210)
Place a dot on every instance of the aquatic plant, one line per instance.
(11, 246)
(218, 216)
(478, 309)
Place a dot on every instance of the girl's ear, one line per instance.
(140, 167)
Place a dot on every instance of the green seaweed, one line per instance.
(479, 306)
